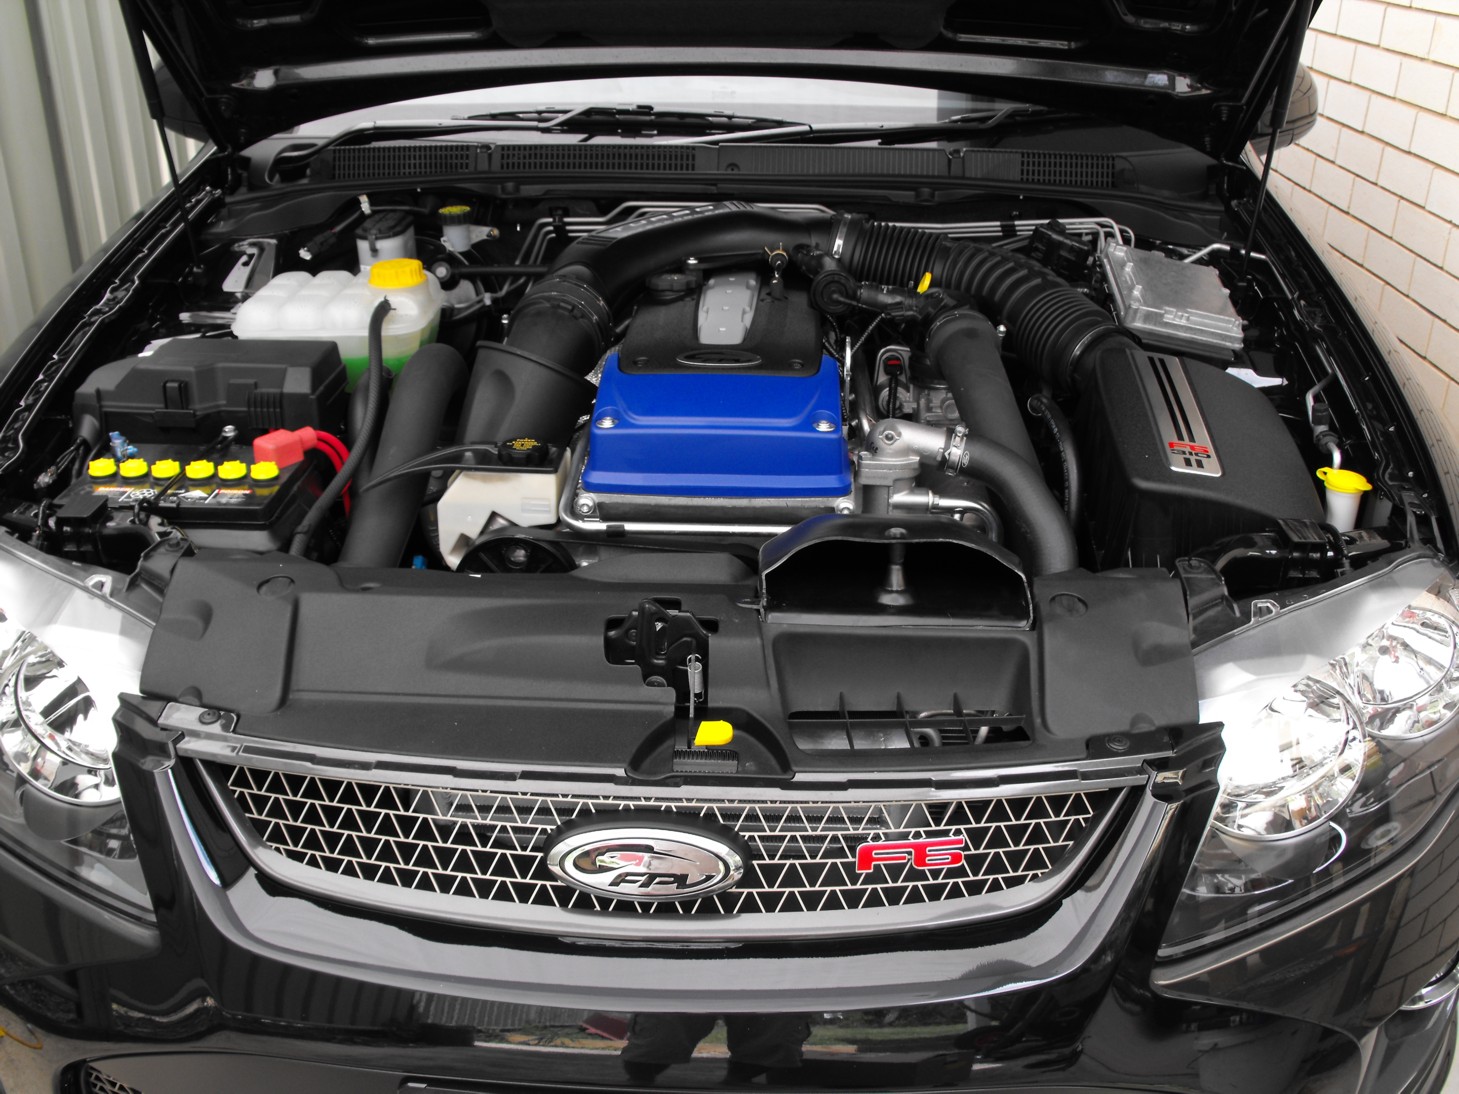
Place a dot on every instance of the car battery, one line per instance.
(219, 496)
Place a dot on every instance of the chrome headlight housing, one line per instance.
(1341, 727)
(67, 652)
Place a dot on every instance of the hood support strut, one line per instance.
(1301, 16)
(153, 95)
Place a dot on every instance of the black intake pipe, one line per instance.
(963, 346)
(1038, 520)
(1051, 326)
(382, 518)
(531, 385)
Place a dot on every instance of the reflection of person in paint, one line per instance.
(758, 1043)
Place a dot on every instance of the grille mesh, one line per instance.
(1067, 169)
(406, 159)
(595, 157)
(489, 845)
(99, 1082)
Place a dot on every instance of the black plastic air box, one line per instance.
(190, 388)
(1180, 454)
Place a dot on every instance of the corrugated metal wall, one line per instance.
(78, 154)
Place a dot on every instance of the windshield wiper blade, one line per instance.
(602, 119)
(889, 132)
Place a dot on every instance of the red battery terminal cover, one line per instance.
(284, 447)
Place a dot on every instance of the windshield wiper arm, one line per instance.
(888, 132)
(600, 119)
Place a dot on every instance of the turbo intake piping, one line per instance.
(383, 517)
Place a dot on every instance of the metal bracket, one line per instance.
(670, 647)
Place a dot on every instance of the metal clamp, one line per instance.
(955, 452)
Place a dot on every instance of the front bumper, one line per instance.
(247, 984)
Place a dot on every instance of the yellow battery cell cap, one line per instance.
(165, 469)
(713, 734)
(134, 468)
(263, 471)
(397, 273)
(200, 469)
(1343, 482)
(232, 469)
(103, 468)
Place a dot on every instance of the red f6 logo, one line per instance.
(924, 854)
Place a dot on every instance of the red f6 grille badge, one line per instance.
(923, 854)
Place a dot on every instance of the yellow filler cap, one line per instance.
(166, 469)
(134, 468)
(232, 469)
(103, 468)
(397, 273)
(1343, 482)
(713, 734)
(263, 471)
(200, 469)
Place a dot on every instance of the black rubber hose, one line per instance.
(498, 271)
(383, 517)
(564, 322)
(619, 258)
(355, 424)
(1051, 325)
(1036, 516)
(317, 512)
(963, 346)
(1063, 436)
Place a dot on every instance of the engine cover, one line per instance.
(721, 392)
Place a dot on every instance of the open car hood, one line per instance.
(1197, 71)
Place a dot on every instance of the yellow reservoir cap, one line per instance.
(200, 469)
(397, 273)
(134, 468)
(453, 210)
(165, 469)
(1343, 482)
(713, 734)
(232, 469)
(263, 471)
(103, 468)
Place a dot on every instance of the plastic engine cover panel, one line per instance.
(708, 433)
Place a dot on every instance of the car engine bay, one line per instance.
(803, 438)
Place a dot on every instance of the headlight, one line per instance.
(67, 651)
(1291, 766)
(51, 732)
(1341, 729)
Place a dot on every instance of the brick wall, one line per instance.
(1378, 178)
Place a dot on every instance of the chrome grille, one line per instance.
(488, 845)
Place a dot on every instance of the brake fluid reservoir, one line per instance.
(336, 306)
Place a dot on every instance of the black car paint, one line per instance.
(250, 987)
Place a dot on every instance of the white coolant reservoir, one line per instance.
(336, 305)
